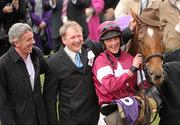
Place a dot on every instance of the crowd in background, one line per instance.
(46, 19)
(47, 16)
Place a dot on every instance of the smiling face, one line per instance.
(73, 39)
(112, 44)
(25, 43)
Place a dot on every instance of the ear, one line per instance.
(15, 43)
(63, 40)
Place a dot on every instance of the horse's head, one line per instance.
(148, 41)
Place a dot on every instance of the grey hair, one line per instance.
(17, 30)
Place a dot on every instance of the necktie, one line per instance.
(78, 60)
(64, 8)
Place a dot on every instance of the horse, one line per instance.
(147, 40)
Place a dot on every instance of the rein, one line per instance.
(145, 99)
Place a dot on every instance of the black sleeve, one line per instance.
(50, 90)
(127, 34)
(172, 56)
(96, 47)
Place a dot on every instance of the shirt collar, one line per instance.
(14, 55)
(70, 53)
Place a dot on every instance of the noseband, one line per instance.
(153, 55)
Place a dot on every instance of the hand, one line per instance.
(109, 14)
(8, 9)
(53, 2)
(42, 25)
(89, 12)
(132, 24)
(15, 4)
(137, 61)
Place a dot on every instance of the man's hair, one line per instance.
(68, 24)
(17, 30)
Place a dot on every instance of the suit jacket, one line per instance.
(170, 112)
(75, 12)
(78, 103)
(19, 105)
(172, 56)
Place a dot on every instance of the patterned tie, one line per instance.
(78, 60)
(64, 8)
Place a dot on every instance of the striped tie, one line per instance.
(64, 8)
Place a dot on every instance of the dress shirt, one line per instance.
(30, 69)
(71, 54)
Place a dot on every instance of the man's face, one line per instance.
(73, 39)
(25, 44)
(112, 44)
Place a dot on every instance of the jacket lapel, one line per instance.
(66, 59)
(84, 58)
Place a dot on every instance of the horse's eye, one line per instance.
(140, 31)
(147, 65)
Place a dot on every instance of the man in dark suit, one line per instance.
(78, 104)
(75, 12)
(21, 101)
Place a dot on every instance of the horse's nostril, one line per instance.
(157, 76)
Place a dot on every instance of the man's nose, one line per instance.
(33, 41)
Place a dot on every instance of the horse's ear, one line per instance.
(134, 15)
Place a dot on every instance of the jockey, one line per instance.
(116, 73)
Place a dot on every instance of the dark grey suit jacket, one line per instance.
(78, 103)
(19, 105)
(170, 92)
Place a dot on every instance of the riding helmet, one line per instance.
(108, 29)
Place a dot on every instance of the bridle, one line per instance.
(146, 69)
(152, 55)
(146, 59)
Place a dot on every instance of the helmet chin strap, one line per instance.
(117, 54)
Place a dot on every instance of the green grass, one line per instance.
(156, 122)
